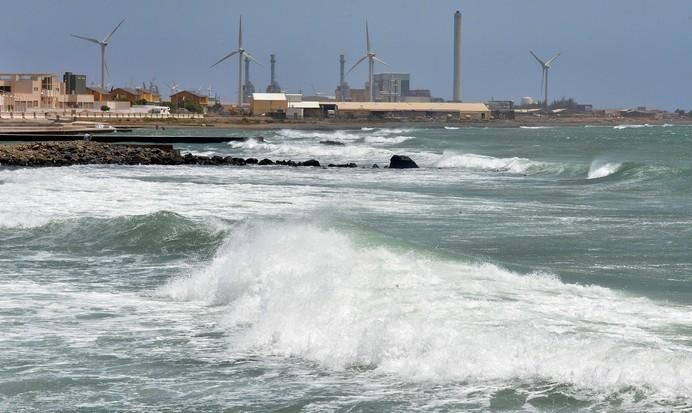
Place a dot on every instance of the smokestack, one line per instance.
(342, 64)
(273, 63)
(456, 91)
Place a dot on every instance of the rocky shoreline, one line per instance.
(43, 154)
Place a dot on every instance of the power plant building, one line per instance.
(391, 87)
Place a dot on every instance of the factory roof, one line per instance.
(268, 96)
(305, 105)
(412, 106)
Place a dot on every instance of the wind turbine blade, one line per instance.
(367, 35)
(537, 58)
(240, 33)
(357, 63)
(249, 56)
(377, 59)
(89, 39)
(114, 30)
(224, 58)
(552, 60)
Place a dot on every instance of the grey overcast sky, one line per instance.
(615, 53)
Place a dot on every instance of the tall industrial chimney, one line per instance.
(456, 92)
(273, 85)
(273, 72)
(342, 63)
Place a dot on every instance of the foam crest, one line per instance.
(337, 135)
(484, 163)
(297, 289)
(387, 140)
(602, 169)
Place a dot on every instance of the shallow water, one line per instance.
(518, 270)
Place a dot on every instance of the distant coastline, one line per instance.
(330, 124)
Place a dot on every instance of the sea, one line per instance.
(534, 269)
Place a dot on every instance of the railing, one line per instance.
(54, 115)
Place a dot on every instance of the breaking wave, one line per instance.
(301, 290)
(161, 233)
(489, 163)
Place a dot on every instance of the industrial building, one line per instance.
(391, 87)
(458, 111)
(266, 103)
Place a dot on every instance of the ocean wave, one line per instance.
(602, 169)
(161, 233)
(298, 289)
(299, 150)
(388, 140)
(535, 127)
(646, 125)
(451, 127)
(337, 135)
(486, 163)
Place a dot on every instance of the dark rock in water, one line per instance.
(332, 143)
(402, 162)
(251, 161)
(375, 166)
(309, 162)
(266, 161)
(342, 165)
(238, 161)
(217, 160)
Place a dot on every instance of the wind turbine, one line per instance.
(103, 43)
(242, 55)
(372, 58)
(545, 66)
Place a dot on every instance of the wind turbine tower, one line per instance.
(372, 58)
(456, 91)
(103, 44)
(545, 66)
(242, 55)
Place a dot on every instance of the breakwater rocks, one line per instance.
(89, 152)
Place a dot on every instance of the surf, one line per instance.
(320, 293)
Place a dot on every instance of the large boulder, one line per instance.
(402, 162)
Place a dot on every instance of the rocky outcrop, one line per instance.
(401, 162)
(89, 152)
(332, 143)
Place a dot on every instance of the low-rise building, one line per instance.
(135, 95)
(266, 103)
(180, 98)
(31, 91)
(461, 111)
(100, 95)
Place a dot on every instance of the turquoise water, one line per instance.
(535, 269)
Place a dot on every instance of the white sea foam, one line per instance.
(646, 125)
(483, 163)
(535, 127)
(300, 290)
(451, 127)
(601, 169)
(387, 140)
(337, 135)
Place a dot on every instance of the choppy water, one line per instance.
(518, 270)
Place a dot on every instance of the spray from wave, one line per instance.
(301, 290)
(601, 169)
